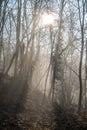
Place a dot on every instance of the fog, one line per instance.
(43, 65)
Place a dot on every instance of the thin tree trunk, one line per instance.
(81, 54)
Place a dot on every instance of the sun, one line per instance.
(47, 19)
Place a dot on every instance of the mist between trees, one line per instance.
(43, 61)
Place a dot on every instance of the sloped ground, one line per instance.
(66, 120)
(23, 109)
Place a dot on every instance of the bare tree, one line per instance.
(81, 19)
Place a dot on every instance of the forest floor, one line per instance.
(20, 112)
